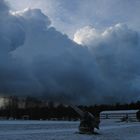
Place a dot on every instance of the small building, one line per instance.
(120, 114)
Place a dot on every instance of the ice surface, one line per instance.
(63, 130)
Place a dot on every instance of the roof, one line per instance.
(119, 111)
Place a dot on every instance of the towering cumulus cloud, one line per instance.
(117, 54)
(63, 68)
(15, 78)
(37, 60)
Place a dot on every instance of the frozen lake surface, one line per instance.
(63, 130)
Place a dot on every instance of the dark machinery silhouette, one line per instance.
(88, 122)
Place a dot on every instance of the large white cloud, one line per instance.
(86, 35)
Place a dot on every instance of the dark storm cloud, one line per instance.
(117, 54)
(62, 67)
(14, 78)
(38, 60)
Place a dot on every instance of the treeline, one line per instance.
(35, 109)
(40, 113)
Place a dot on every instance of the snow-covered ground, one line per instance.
(63, 130)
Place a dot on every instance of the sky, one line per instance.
(78, 51)
(69, 15)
